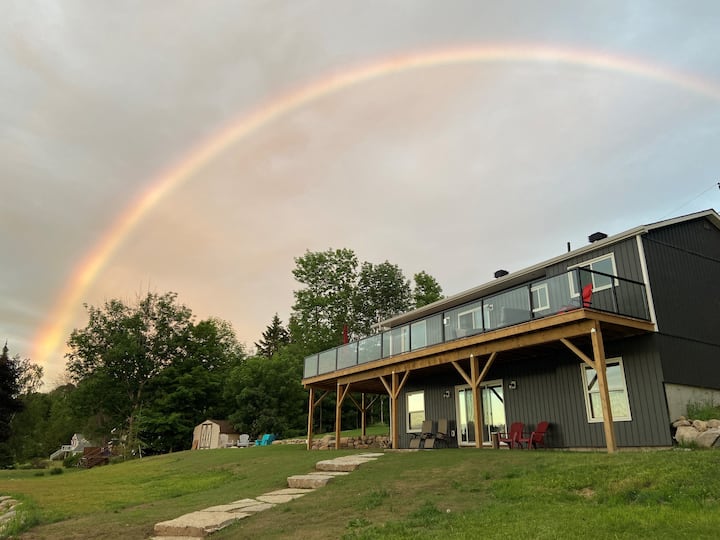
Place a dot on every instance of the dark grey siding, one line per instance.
(551, 388)
(684, 270)
(627, 260)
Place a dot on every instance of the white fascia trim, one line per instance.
(646, 280)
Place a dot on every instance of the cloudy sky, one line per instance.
(199, 147)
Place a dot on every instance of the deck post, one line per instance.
(601, 370)
(363, 415)
(341, 392)
(311, 409)
(477, 405)
(394, 413)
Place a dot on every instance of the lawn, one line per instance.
(434, 494)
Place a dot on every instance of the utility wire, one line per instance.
(691, 200)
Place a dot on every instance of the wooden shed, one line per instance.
(214, 434)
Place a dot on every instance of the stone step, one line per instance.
(197, 524)
(309, 481)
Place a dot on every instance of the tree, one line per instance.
(10, 403)
(325, 304)
(427, 289)
(190, 390)
(268, 394)
(274, 337)
(381, 292)
(121, 349)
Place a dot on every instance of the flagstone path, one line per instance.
(205, 522)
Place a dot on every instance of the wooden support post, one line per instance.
(601, 370)
(477, 405)
(393, 390)
(363, 415)
(311, 409)
(342, 390)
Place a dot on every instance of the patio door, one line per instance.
(493, 406)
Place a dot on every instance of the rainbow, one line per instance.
(49, 339)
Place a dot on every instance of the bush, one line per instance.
(703, 410)
(71, 461)
(56, 470)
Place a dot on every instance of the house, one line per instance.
(78, 443)
(609, 368)
(214, 434)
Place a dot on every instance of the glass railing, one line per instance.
(572, 290)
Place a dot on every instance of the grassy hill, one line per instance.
(433, 494)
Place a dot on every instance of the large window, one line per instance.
(415, 411)
(617, 389)
(604, 264)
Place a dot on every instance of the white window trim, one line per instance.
(407, 406)
(588, 264)
(584, 369)
(540, 287)
(475, 311)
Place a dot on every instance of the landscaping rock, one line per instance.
(708, 438)
(686, 435)
(197, 524)
(700, 425)
(309, 481)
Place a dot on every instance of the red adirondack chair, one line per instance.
(512, 437)
(537, 437)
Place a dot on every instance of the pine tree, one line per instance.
(273, 338)
(9, 390)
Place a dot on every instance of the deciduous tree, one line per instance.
(122, 348)
(427, 290)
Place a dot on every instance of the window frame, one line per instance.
(408, 395)
(474, 312)
(539, 287)
(589, 266)
(584, 370)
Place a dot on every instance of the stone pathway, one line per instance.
(205, 522)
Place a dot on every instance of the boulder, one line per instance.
(686, 434)
(700, 425)
(708, 438)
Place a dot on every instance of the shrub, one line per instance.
(56, 470)
(703, 410)
(71, 461)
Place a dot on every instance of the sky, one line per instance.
(200, 147)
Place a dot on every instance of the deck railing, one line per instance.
(517, 305)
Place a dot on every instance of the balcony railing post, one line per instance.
(530, 301)
(616, 306)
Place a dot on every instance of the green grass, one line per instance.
(434, 494)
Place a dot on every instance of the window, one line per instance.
(616, 388)
(604, 264)
(470, 320)
(540, 298)
(415, 411)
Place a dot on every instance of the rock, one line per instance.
(196, 524)
(713, 423)
(682, 422)
(309, 481)
(708, 438)
(686, 434)
(700, 425)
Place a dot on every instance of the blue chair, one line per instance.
(266, 440)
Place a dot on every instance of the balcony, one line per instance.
(518, 305)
